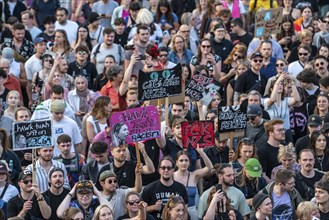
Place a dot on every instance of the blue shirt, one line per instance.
(269, 70)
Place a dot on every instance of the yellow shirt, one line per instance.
(261, 4)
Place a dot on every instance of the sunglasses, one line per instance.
(166, 168)
(237, 55)
(133, 202)
(258, 61)
(84, 183)
(82, 52)
(319, 64)
(163, 55)
(205, 46)
(26, 181)
(302, 54)
(112, 181)
(279, 64)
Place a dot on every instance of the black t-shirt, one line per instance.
(157, 191)
(15, 206)
(126, 216)
(56, 200)
(222, 48)
(268, 158)
(246, 39)
(298, 121)
(250, 81)
(121, 39)
(87, 70)
(324, 216)
(301, 143)
(305, 186)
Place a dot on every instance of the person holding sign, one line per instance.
(190, 179)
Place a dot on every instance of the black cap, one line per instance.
(257, 54)
(254, 110)
(22, 175)
(314, 120)
(93, 16)
(258, 199)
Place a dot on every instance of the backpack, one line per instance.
(99, 46)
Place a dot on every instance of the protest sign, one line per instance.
(134, 125)
(160, 84)
(198, 133)
(32, 134)
(202, 87)
(268, 22)
(231, 118)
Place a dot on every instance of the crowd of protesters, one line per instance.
(78, 61)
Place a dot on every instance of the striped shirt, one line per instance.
(43, 176)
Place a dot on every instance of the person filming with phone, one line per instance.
(225, 174)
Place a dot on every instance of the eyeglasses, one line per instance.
(319, 64)
(279, 64)
(166, 168)
(82, 52)
(58, 113)
(163, 55)
(112, 181)
(327, 22)
(133, 202)
(84, 184)
(302, 54)
(26, 181)
(258, 61)
(205, 46)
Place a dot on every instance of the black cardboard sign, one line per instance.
(231, 118)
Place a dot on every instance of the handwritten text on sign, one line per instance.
(268, 22)
(160, 84)
(32, 134)
(198, 132)
(231, 118)
(143, 123)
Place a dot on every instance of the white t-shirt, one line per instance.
(32, 65)
(101, 126)
(71, 29)
(34, 31)
(10, 192)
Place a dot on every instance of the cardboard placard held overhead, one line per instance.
(160, 84)
(198, 133)
(135, 125)
(268, 22)
(203, 88)
(32, 134)
(231, 118)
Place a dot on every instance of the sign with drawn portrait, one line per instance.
(160, 84)
(32, 134)
(268, 22)
(134, 125)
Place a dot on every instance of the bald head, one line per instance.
(184, 30)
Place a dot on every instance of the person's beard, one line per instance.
(227, 183)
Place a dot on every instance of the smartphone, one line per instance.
(129, 47)
(142, 57)
(219, 187)
(285, 69)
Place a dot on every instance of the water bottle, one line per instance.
(11, 164)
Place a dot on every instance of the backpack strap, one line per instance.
(100, 32)
(4, 190)
(97, 124)
(97, 50)
(120, 52)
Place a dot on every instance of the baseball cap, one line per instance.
(22, 175)
(257, 54)
(84, 186)
(8, 53)
(39, 40)
(314, 120)
(106, 174)
(219, 26)
(93, 16)
(3, 168)
(57, 106)
(253, 167)
(254, 110)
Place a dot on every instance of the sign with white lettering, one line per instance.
(231, 118)
(32, 134)
(135, 125)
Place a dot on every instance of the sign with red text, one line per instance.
(134, 125)
(198, 132)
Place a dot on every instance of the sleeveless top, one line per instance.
(15, 69)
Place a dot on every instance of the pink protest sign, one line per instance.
(134, 125)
